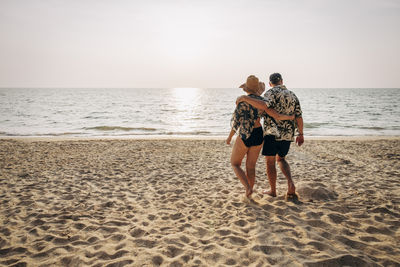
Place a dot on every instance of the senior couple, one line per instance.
(280, 109)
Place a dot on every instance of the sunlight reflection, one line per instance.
(186, 98)
(186, 95)
(186, 103)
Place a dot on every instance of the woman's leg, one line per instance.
(239, 150)
(251, 161)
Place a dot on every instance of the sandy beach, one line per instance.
(178, 203)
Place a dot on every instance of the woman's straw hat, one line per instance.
(251, 84)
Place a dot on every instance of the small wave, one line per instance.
(189, 133)
(95, 117)
(372, 128)
(314, 125)
(118, 128)
(34, 134)
(63, 134)
(170, 110)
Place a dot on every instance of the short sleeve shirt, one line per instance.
(285, 102)
(244, 118)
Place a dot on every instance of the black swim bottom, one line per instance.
(272, 147)
(255, 139)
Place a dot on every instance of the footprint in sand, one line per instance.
(336, 218)
(92, 240)
(224, 232)
(157, 260)
(119, 263)
(138, 232)
(118, 237)
(172, 251)
(241, 223)
(184, 239)
(151, 217)
(176, 216)
(145, 243)
(230, 262)
(345, 260)
(79, 226)
(318, 193)
(238, 241)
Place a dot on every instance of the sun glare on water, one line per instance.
(186, 94)
(186, 103)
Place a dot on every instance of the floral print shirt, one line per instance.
(286, 102)
(244, 118)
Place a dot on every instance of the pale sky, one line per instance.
(205, 44)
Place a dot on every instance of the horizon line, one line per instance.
(184, 87)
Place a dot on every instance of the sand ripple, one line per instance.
(178, 203)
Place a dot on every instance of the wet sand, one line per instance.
(178, 203)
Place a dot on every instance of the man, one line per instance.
(279, 134)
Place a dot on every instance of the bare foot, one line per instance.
(270, 193)
(249, 192)
(291, 189)
(292, 197)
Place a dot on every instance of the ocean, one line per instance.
(185, 112)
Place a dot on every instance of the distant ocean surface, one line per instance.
(185, 112)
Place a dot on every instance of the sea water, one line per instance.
(185, 111)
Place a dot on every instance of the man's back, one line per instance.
(286, 102)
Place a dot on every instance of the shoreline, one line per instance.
(188, 137)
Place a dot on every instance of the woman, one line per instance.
(246, 123)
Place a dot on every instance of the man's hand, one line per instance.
(299, 140)
(240, 99)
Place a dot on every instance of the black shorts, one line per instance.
(255, 139)
(272, 147)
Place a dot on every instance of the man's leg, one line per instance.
(269, 151)
(271, 173)
(285, 168)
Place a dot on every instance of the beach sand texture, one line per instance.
(178, 203)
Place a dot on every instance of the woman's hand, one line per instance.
(228, 140)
